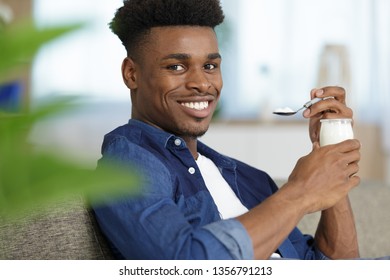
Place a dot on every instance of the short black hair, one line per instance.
(135, 18)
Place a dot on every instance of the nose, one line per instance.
(198, 80)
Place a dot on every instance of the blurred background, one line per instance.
(274, 52)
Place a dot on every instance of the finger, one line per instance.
(352, 169)
(351, 181)
(344, 160)
(354, 181)
(349, 145)
(316, 92)
(334, 91)
(347, 163)
(330, 108)
(352, 157)
(345, 146)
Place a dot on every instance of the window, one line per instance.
(86, 62)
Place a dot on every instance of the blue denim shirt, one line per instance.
(175, 216)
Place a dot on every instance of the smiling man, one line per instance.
(176, 81)
(196, 203)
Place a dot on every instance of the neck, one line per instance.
(192, 144)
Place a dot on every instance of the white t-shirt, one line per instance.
(228, 204)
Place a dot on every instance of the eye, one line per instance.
(175, 67)
(210, 66)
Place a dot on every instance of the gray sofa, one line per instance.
(70, 231)
(66, 231)
(371, 205)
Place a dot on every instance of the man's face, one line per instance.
(177, 80)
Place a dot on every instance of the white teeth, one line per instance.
(196, 105)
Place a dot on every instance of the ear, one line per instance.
(129, 73)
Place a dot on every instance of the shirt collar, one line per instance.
(217, 158)
(169, 141)
(160, 136)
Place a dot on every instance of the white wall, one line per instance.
(272, 147)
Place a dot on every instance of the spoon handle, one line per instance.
(311, 102)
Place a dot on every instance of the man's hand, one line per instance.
(332, 107)
(326, 175)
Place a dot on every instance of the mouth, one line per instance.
(200, 109)
(199, 106)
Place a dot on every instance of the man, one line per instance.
(197, 203)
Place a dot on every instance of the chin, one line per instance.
(194, 132)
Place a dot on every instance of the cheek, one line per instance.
(164, 83)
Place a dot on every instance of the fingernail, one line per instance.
(320, 92)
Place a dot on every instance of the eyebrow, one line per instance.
(184, 56)
(214, 56)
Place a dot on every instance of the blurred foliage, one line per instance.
(29, 178)
(19, 43)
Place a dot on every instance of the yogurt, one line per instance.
(284, 110)
(334, 131)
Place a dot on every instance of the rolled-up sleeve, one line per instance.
(235, 238)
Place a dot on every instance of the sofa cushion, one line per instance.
(66, 230)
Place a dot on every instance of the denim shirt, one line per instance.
(175, 216)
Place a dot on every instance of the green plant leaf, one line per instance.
(20, 42)
(34, 180)
(29, 178)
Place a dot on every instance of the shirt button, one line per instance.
(177, 142)
(191, 170)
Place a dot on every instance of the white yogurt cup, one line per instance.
(334, 131)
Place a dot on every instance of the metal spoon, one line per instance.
(290, 113)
